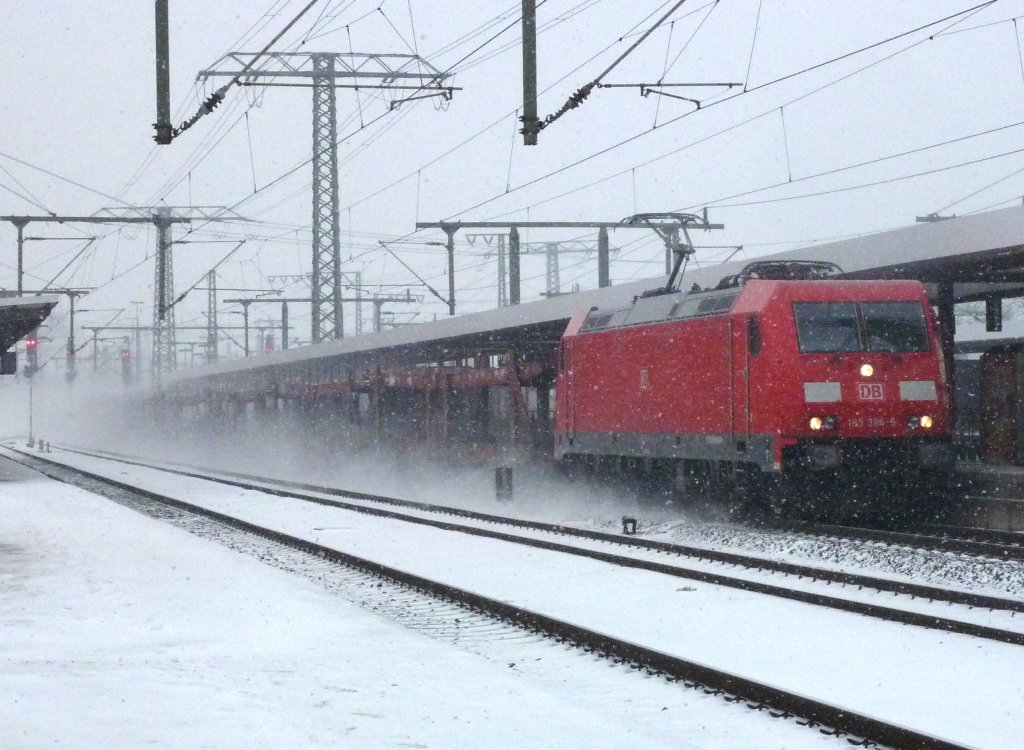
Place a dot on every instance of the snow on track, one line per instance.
(912, 676)
(122, 631)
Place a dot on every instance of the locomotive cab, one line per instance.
(857, 386)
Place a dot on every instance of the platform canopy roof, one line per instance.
(19, 315)
(979, 254)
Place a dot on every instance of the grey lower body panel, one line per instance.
(710, 446)
(813, 456)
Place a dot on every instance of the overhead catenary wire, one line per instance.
(753, 44)
(582, 93)
(66, 265)
(873, 183)
(217, 96)
(418, 171)
(961, 15)
(495, 123)
(366, 125)
(980, 190)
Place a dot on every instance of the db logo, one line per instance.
(870, 391)
(645, 380)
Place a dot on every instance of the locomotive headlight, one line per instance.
(866, 370)
(926, 422)
(913, 422)
(821, 423)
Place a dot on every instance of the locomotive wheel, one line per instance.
(756, 497)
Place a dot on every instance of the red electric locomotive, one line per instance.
(766, 390)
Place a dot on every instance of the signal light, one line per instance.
(31, 343)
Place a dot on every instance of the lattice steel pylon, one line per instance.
(212, 344)
(551, 252)
(328, 317)
(164, 334)
(323, 70)
(164, 337)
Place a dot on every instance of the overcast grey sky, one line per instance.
(79, 102)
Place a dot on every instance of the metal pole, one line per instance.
(138, 345)
(71, 338)
(359, 301)
(947, 330)
(451, 269)
(31, 438)
(502, 275)
(602, 258)
(20, 224)
(513, 265)
(284, 324)
(670, 247)
(163, 76)
(211, 317)
(95, 351)
(531, 126)
(245, 318)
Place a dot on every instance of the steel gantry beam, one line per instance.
(323, 70)
(163, 217)
(20, 222)
(666, 225)
(349, 280)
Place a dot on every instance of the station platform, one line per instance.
(12, 471)
(993, 496)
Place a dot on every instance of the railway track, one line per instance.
(1002, 545)
(857, 727)
(748, 573)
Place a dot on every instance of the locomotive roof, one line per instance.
(699, 303)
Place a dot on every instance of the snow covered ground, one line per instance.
(973, 687)
(122, 631)
(541, 496)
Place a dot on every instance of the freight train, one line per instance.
(777, 389)
(782, 389)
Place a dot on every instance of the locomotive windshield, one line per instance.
(837, 327)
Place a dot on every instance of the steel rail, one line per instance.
(693, 674)
(878, 611)
(1009, 540)
(939, 537)
(920, 591)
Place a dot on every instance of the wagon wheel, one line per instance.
(741, 489)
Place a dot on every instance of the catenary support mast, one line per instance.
(324, 71)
